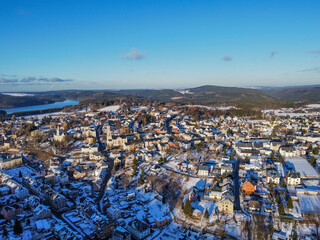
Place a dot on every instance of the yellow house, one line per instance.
(10, 162)
(226, 205)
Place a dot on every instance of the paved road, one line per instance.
(109, 172)
(236, 187)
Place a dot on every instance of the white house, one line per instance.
(41, 212)
(203, 170)
(293, 178)
(138, 229)
(21, 192)
(113, 213)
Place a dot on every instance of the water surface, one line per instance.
(68, 102)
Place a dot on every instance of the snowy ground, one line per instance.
(288, 112)
(53, 114)
(18, 94)
(302, 165)
(140, 108)
(309, 203)
(213, 108)
(306, 229)
(313, 106)
(173, 232)
(26, 171)
(109, 108)
(311, 183)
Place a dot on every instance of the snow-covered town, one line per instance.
(162, 172)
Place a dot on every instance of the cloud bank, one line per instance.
(134, 54)
(313, 69)
(316, 52)
(226, 58)
(32, 80)
(273, 53)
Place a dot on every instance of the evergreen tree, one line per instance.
(187, 208)
(283, 183)
(290, 204)
(271, 187)
(281, 209)
(142, 174)
(160, 160)
(277, 198)
(272, 156)
(281, 159)
(17, 228)
(316, 151)
(312, 160)
(271, 228)
(135, 166)
(206, 214)
(5, 232)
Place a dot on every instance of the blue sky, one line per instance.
(47, 45)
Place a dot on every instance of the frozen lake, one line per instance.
(68, 102)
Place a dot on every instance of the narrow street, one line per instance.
(109, 172)
(236, 187)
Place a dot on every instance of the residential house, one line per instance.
(216, 195)
(41, 212)
(225, 169)
(273, 176)
(21, 192)
(203, 170)
(248, 188)
(226, 204)
(193, 194)
(113, 213)
(138, 229)
(288, 151)
(293, 178)
(11, 162)
(121, 234)
(4, 189)
(9, 212)
(254, 206)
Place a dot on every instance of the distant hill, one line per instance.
(207, 95)
(217, 93)
(296, 94)
(203, 93)
(7, 101)
(160, 95)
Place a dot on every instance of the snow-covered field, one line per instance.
(309, 203)
(109, 108)
(302, 165)
(54, 114)
(185, 91)
(58, 114)
(289, 112)
(140, 108)
(313, 106)
(213, 108)
(18, 94)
